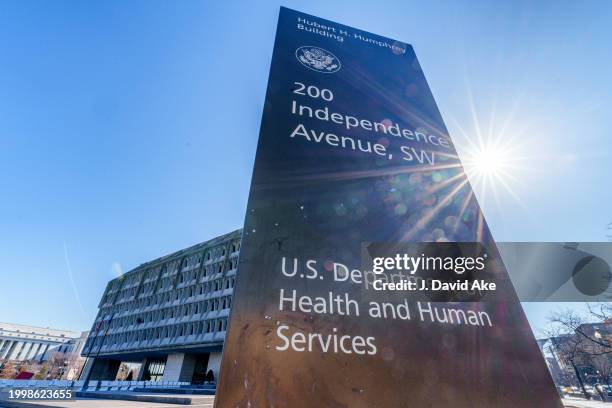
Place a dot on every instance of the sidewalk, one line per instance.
(119, 400)
(95, 403)
(572, 402)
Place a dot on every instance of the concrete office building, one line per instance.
(169, 314)
(19, 342)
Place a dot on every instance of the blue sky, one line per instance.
(128, 129)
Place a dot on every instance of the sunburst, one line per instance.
(499, 158)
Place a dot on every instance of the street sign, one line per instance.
(352, 153)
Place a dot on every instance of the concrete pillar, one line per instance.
(179, 367)
(25, 350)
(43, 351)
(33, 351)
(143, 369)
(16, 349)
(86, 368)
(5, 348)
(214, 363)
(102, 369)
(37, 355)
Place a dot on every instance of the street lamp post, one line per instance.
(88, 375)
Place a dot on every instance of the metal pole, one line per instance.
(97, 354)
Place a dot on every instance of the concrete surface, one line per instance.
(119, 400)
(94, 403)
(571, 402)
(167, 398)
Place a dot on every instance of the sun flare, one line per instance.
(495, 169)
(487, 161)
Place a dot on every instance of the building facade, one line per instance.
(19, 342)
(74, 361)
(169, 314)
(584, 353)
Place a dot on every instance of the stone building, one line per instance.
(19, 342)
(169, 314)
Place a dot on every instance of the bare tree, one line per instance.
(603, 364)
(123, 371)
(53, 368)
(578, 344)
(8, 369)
(74, 364)
(592, 342)
(569, 349)
(42, 373)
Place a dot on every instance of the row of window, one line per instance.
(221, 251)
(168, 282)
(153, 273)
(171, 296)
(164, 332)
(189, 309)
(192, 262)
(170, 268)
(208, 270)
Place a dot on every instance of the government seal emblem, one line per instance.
(317, 59)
